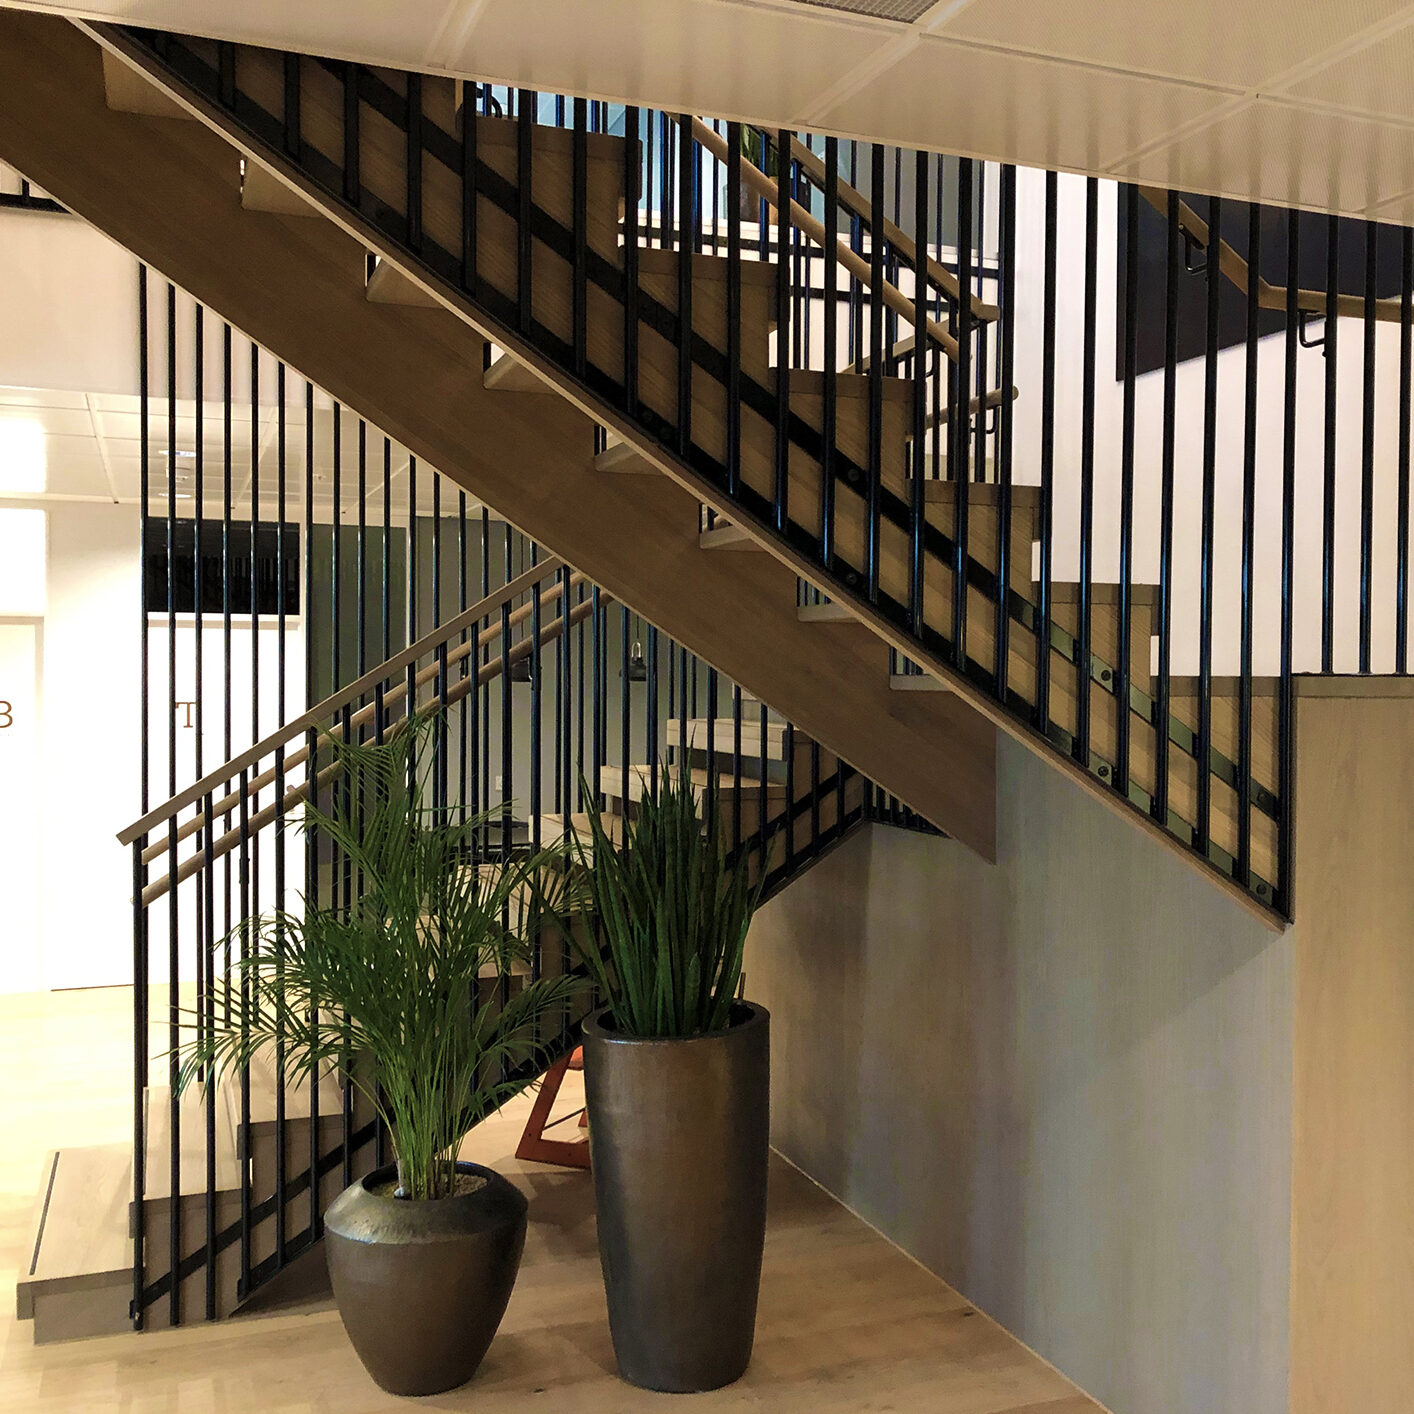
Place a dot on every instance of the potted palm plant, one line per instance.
(422, 978)
(677, 1074)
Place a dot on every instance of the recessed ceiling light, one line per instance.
(24, 464)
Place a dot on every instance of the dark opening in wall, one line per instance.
(220, 576)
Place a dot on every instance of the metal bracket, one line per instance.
(1304, 319)
(1191, 244)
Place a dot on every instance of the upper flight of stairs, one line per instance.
(408, 350)
(298, 286)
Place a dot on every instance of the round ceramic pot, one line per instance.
(422, 1286)
(679, 1133)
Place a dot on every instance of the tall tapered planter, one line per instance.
(679, 1132)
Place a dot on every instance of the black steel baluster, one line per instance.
(1249, 519)
(353, 181)
(780, 498)
(733, 307)
(1330, 333)
(311, 771)
(633, 185)
(651, 712)
(1202, 830)
(414, 162)
(1172, 264)
(598, 702)
(960, 425)
(470, 187)
(206, 944)
(525, 129)
(1286, 721)
(281, 618)
(876, 371)
(1367, 456)
(174, 1152)
(830, 383)
(1087, 478)
(918, 451)
(1048, 458)
(293, 138)
(1124, 668)
(1006, 350)
(686, 236)
(142, 980)
(1406, 374)
(580, 222)
(625, 711)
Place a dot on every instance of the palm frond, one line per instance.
(420, 971)
(671, 911)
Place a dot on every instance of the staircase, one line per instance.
(827, 516)
(224, 1187)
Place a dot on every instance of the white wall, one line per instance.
(1063, 1083)
(1188, 455)
(70, 306)
(88, 783)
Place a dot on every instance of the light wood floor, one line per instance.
(846, 1321)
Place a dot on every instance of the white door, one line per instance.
(21, 967)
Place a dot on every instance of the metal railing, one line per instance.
(856, 451)
(303, 577)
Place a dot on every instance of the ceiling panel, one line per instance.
(40, 398)
(1042, 112)
(57, 421)
(75, 467)
(1289, 155)
(1373, 79)
(727, 60)
(1207, 41)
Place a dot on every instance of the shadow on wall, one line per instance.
(1062, 1083)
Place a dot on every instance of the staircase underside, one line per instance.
(168, 191)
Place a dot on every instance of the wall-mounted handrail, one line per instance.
(767, 187)
(299, 793)
(357, 689)
(857, 202)
(1237, 272)
(364, 715)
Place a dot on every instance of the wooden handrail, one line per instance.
(1269, 296)
(364, 715)
(263, 817)
(852, 261)
(857, 202)
(991, 400)
(360, 687)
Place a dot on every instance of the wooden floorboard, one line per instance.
(847, 1322)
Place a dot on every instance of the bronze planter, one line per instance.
(422, 1286)
(679, 1133)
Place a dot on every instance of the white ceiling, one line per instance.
(93, 452)
(1307, 102)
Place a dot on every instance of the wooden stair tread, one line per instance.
(388, 285)
(262, 190)
(81, 1231)
(507, 374)
(624, 458)
(656, 261)
(724, 736)
(612, 781)
(828, 612)
(1067, 591)
(980, 494)
(127, 91)
(727, 536)
(157, 1174)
